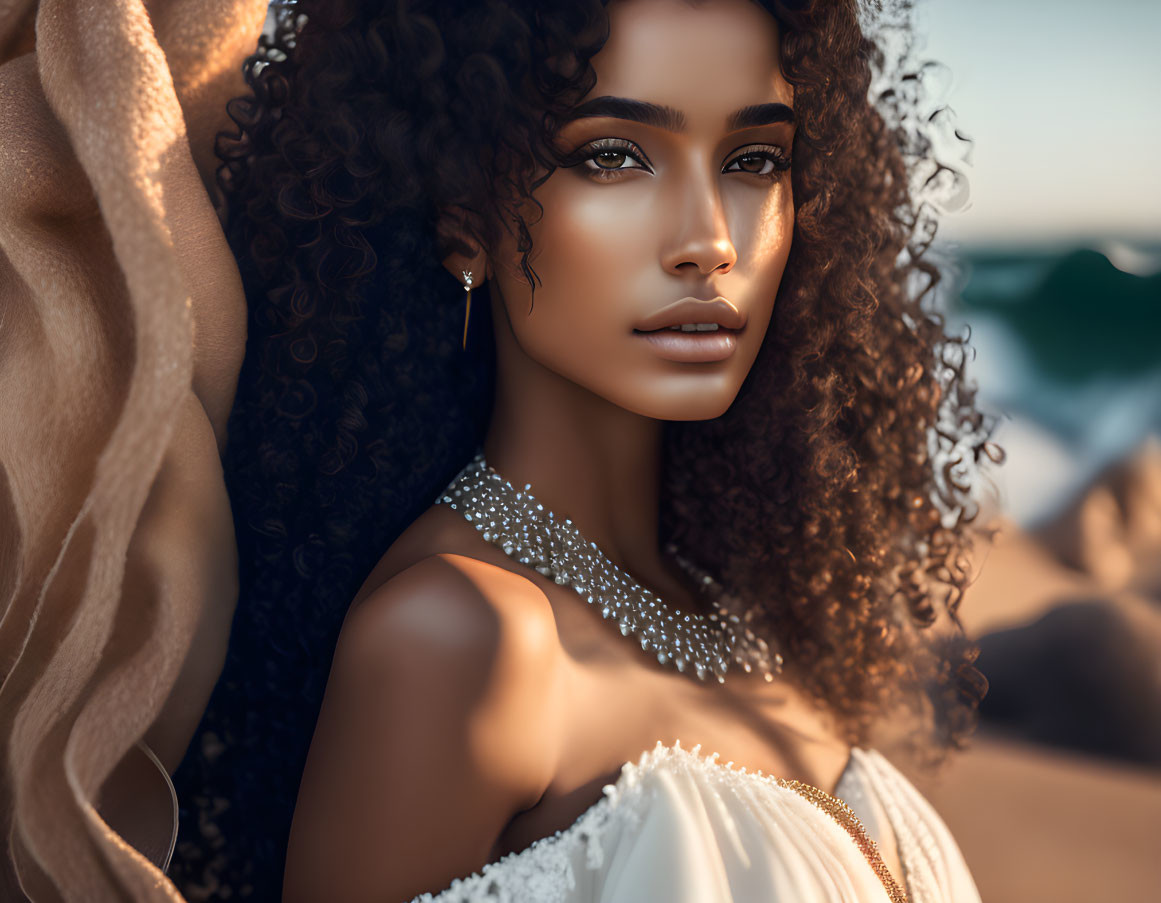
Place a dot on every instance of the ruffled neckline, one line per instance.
(650, 759)
(550, 853)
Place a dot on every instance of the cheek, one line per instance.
(588, 249)
(592, 237)
(768, 228)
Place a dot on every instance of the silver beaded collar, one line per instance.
(518, 524)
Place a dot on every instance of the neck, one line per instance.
(586, 459)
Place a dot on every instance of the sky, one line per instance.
(1063, 102)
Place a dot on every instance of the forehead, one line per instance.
(704, 57)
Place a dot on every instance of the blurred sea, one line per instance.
(1068, 355)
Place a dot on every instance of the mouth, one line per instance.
(695, 315)
(691, 346)
(718, 328)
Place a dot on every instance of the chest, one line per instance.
(617, 704)
(615, 722)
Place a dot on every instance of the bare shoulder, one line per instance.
(438, 726)
(487, 605)
(482, 637)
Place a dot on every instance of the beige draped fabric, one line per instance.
(122, 326)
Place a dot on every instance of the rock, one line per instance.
(1112, 532)
(1085, 676)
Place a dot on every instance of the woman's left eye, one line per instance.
(769, 162)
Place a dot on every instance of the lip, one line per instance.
(694, 310)
(692, 347)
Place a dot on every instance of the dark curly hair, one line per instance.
(833, 496)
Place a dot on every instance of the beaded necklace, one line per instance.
(693, 643)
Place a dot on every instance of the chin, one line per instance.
(688, 406)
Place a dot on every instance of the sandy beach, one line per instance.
(1042, 820)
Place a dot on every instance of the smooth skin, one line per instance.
(473, 705)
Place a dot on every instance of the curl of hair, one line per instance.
(834, 497)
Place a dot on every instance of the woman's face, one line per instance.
(678, 190)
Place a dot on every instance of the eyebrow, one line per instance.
(665, 117)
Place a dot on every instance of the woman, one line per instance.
(648, 164)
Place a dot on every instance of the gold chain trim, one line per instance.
(845, 816)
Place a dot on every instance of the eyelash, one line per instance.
(589, 152)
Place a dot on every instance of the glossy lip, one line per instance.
(692, 347)
(694, 310)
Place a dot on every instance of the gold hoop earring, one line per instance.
(468, 311)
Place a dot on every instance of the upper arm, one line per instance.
(432, 734)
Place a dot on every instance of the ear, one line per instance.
(463, 251)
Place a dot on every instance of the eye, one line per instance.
(605, 158)
(766, 161)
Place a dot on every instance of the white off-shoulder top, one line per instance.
(683, 828)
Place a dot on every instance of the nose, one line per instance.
(701, 235)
